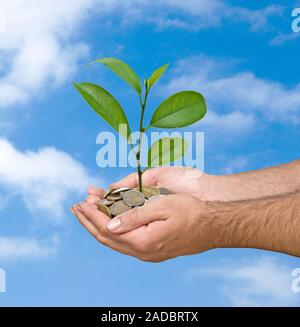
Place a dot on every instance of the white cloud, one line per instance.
(282, 38)
(216, 11)
(38, 49)
(236, 122)
(2, 20)
(14, 248)
(196, 14)
(44, 179)
(240, 94)
(37, 46)
(261, 281)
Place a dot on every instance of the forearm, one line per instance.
(269, 224)
(257, 184)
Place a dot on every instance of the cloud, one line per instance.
(37, 51)
(14, 248)
(237, 122)
(258, 20)
(44, 179)
(2, 20)
(236, 95)
(197, 14)
(282, 38)
(261, 281)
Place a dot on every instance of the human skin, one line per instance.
(212, 213)
(182, 224)
(248, 185)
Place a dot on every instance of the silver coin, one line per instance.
(105, 202)
(149, 191)
(108, 192)
(114, 197)
(134, 198)
(119, 190)
(155, 197)
(119, 207)
(103, 208)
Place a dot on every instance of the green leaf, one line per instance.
(156, 75)
(124, 71)
(166, 150)
(179, 110)
(105, 105)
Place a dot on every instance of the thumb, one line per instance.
(135, 218)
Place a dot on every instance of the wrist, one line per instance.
(226, 188)
(213, 225)
(216, 188)
(274, 181)
(269, 224)
(229, 224)
(217, 216)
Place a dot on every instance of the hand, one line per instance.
(176, 179)
(164, 228)
(262, 183)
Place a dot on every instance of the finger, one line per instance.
(92, 199)
(100, 221)
(96, 191)
(137, 217)
(97, 218)
(149, 178)
(113, 244)
(85, 222)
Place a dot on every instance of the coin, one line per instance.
(155, 197)
(103, 208)
(134, 198)
(114, 197)
(108, 192)
(150, 191)
(164, 191)
(119, 190)
(119, 207)
(105, 202)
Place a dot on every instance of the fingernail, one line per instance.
(114, 224)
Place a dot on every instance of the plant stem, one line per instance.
(142, 130)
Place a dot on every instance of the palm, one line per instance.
(176, 179)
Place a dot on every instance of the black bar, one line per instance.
(168, 316)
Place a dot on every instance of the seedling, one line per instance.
(179, 110)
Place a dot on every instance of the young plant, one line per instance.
(179, 110)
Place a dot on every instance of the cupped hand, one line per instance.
(164, 228)
(176, 179)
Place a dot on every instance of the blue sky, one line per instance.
(241, 55)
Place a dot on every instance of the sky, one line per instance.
(242, 56)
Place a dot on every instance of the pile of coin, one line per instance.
(118, 201)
